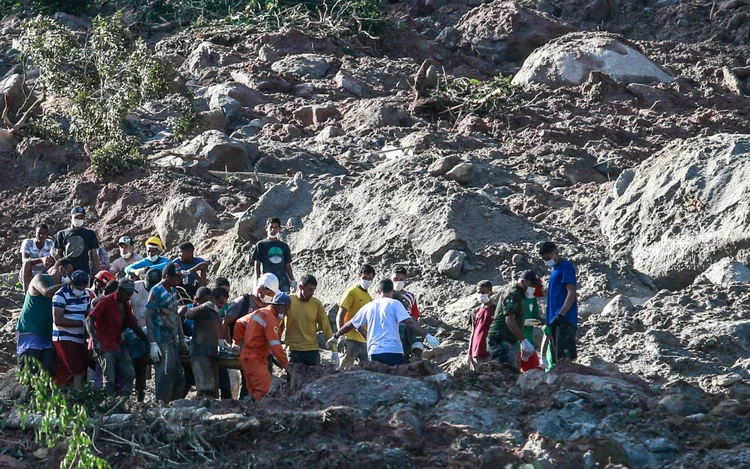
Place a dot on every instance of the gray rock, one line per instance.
(229, 106)
(376, 113)
(73, 22)
(11, 89)
(184, 219)
(245, 95)
(222, 152)
(41, 158)
(347, 82)
(661, 445)
(682, 405)
(367, 391)
(619, 306)
(443, 165)
(473, 409)
(304, 90)
(215, 119)
(684, 209)
(726, 272)
(622, 182)
(303, 65)
(461, 173)
(568, 61)
(452, 263)
(448, 36)
(569, 423)
(329, 133)
(268, 54)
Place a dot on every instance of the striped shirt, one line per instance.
(165, 324)
(75, 308)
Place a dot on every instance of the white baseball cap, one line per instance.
(269, 281)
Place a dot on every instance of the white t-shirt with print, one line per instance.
(382, 317)
(28, 247)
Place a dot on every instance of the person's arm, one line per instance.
(239, 333)
(61, 321)
(510, 321)
(44, 290)
(182, 312)
(201, 271)
(507, 310)
(113, 269)
(344, 329)
(94, 253)
(471, 339)
(92, 332)
(570, 299)
(277, 350)
(257, 269)
(325, 325)
(412, 324)
(340, 317)
(197, 312)
(26, 258)
(150, 328)
(58, 245)
(135, 266)
(289, 273)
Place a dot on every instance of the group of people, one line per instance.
(141, 315)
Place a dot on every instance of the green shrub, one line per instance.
(468, 95)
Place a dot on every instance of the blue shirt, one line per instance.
(191, 278)
(160, 263)
(165, 324)
(562, 274)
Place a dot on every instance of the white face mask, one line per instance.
(153, 258)
(266, 299)
(272, 235)
(399, 285)
(483, 298)
(77, 222)
(365, 284)
(65, 280)
(280, 316)
(79, 293)
(550, 263)
(530, 292)
(125, 255)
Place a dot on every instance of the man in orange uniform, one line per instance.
(258, 335)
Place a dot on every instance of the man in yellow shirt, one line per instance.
(305, 315)
(352, 300)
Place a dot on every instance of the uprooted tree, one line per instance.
(103, 79)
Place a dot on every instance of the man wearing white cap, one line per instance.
(127, 257)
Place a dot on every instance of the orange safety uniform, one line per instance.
(258, 335)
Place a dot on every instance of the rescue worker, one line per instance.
(165, 335)
(265, 288)
(257, 336)
(153, 259)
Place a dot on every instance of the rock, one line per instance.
(310, 115)
(448, 36)
(303, 65)
(11, 91)
(471, 124)
(682, 211)
(443, 165)
(505, 31)
(461, 173)
(682, 405)
(73, 22)
(207, 54)
(230, 107)
(217, 189)
(569, 423)
(182, 218)
(240, 91)
(568, 61)
(376, 113)
(304, 90)
(727, 271)
(41, 453)
(329, 133)
(517, 259)
(497, 456)
(470, 408)
(452, 263)
(349, 83)
(7, 462)
(268, 83)
(41, 158)
(619, 306)
(268, 54)
(215, 120)
(222, 152)
(622, 182)
(729, 408)
(367, 390)
(725, 381)
(406, 417)
(661, 445)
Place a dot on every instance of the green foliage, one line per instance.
(46, 128)
(190, 118)
(104, 79)
(92, 399)
(58, 419)
(495, 96)
(48, 7)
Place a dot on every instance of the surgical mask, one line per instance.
(280, 316)
(550, 263)
(125, 255)
(77, 222)
(267, 299)
(399, 285)
(483, 298)
(153, 258)
(365, 284)
(530, 292)
(65, 280)
(271, 234)
(79, 293)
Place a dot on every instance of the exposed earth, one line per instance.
(626, 141)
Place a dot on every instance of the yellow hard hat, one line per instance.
(155, 241)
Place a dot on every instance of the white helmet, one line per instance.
(269, 281)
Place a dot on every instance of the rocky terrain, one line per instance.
(624, 138)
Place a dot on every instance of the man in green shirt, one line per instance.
(510, 318)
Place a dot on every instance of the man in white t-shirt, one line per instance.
(127, 257)
(382, 317)
(36, 255)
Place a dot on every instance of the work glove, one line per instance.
(293, 286)
(558, 321)
(431, 340)
(155, 352)
(336, 359)
(532, 322)
(331, 342)
(527, 349)
(235, 350)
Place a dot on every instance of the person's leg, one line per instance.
(205, 375)
(390, 359)
(80, 363)
(225, 384)
(162, 383)
(108, 364)
(350, 355)
(125, 371)
(258, 380)
(362, 352)
(178, 386)
(48, 359)
(64, 372)
(565, 343)
(141, 370)
(190, 380)
(505, 352)
(215, 369)
(306, 357)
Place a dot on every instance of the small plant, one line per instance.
(46, 128)
(495, 96)
(189, 119)
(59, 420)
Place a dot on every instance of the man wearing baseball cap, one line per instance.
(127, 257)
(106, 325)
(77, 243)
(70, 305)
(257, 336)
(507, 328)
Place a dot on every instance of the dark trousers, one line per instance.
(225, 385)
(47, 358)
(141, 375)
(390, 359)
(564, 337)
(305, 357)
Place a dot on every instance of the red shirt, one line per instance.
(481, 322)
(108, 322)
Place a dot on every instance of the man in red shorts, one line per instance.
(70, 305)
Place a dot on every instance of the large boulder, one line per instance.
(504, 31)
(375, 113)
(727, 272)
(367, 390)
(568, 61)
(685, 209)
(184, 219)
(41, 158)
(301, 66)
(245, 95)
(11, 91)
(219, 152)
